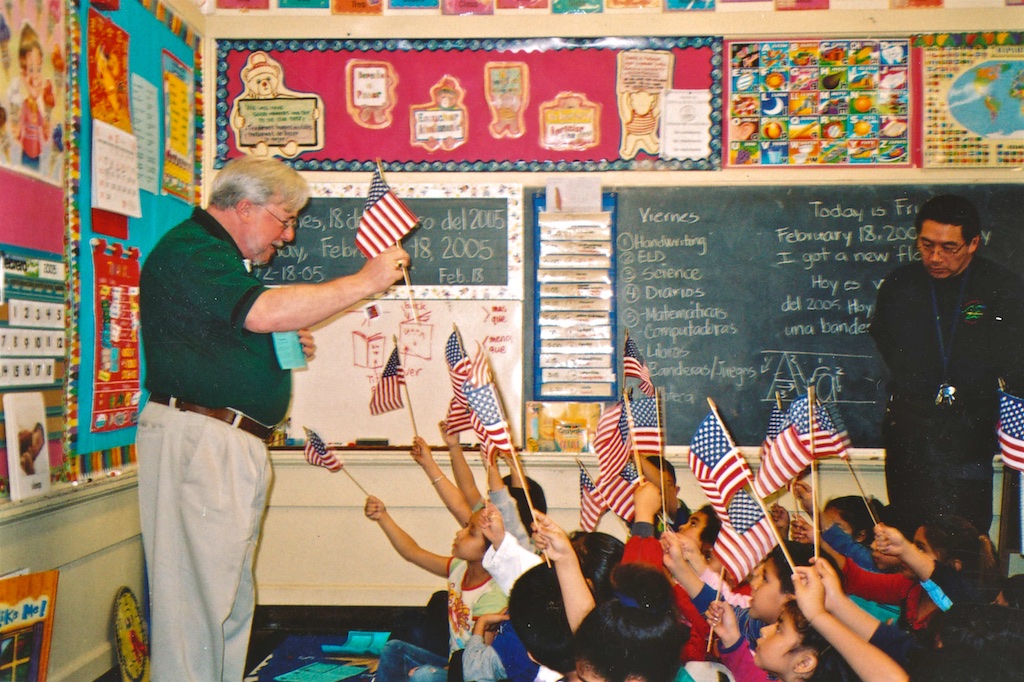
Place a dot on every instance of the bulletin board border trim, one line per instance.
(713, 160)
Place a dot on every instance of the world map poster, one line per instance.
(974, 99)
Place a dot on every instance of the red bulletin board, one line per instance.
(451, 81)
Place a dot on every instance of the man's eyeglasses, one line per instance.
(945, 248)
(289, 224)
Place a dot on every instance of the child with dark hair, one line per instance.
(949, 561)
(496, 651)
(1012, 592)
(847, 527)
(975, 643)
(771, 586)
(659, 471)
(537, 612)
(471, 594)
(634, 636)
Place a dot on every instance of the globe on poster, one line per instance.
(988, 99)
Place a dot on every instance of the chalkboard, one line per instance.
(736, 293)
(469, 238)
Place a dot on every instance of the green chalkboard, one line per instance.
(463, 239)
(736, 293)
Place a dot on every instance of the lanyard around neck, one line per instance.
(946, 352)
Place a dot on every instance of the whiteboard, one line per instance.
(332, 396)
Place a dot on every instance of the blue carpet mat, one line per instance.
(322, 658)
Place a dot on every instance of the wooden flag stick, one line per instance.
(408, 398)
(601, 494)
(718, 595)
(354, 480)
(515, 455)
(661, 458)
(632, 429)
(863, 495)
(814, 472)
(753, 493)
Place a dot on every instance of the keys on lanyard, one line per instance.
(946, 395)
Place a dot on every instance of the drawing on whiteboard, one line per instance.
(415, 338)
(796, 371)
(368, 350)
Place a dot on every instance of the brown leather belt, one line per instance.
(224, 414)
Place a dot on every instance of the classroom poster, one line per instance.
(28, 457)
(33, 90)
(818, 103)
(108, 69)
(26, 627)
(179, 147)
(973, 99)
(117, 390)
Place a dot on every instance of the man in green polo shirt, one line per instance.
(216, 391)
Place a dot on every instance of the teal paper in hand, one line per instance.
(289, 350)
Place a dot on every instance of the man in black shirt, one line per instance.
(948, 328)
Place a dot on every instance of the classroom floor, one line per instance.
(285, 637)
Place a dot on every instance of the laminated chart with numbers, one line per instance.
(32, 337)
(117, 390)
(575, 329)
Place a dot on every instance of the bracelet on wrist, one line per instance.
(434, 482)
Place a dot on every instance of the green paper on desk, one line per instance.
(289, 350)
(360, 642)
(321, 672)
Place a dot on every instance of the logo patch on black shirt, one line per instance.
(973, 311)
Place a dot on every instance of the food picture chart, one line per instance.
(818, 103)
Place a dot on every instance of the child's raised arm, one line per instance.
(461, 470)
(549, 537)
(446, 490)
(890, 541)
(678, 551)
(402, 541)
(868, 662)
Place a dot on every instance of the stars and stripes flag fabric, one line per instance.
(716, 462)
(459, 416)
(746, 536)
(316, 452)
(483, 401)
(833, 414)
(611, 440)
(385, 220)
(1011, 430)
(777, 421)
(387, 394)
(633, 366)
(790, 452)
(617, 490)
(646, 433)
(592, 505)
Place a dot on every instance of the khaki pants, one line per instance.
(202, 493)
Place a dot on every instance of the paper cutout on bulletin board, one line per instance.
(268, 119)
(179, 117)
(974, 99)
(585, 68)
(108, 72)
(33, 90)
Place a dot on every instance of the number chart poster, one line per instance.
(543, 104)
(117, 391)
